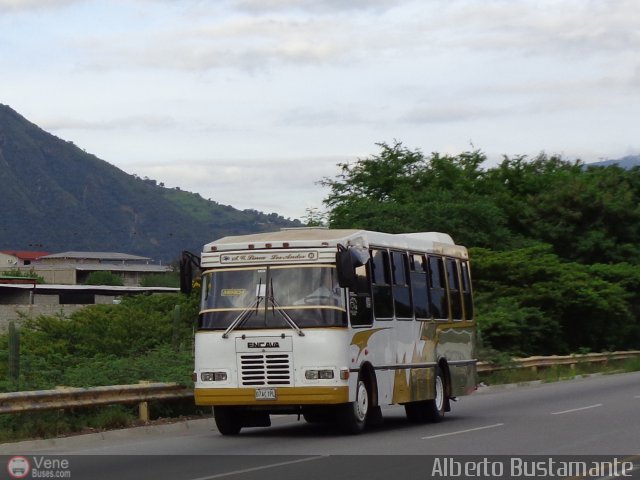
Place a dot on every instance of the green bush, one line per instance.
(14, 272)
(171, 279)
(104, 277)
(145, 337)
(142, 338)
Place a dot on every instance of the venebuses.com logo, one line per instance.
(18, 467)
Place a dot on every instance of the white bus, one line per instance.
(332, 325)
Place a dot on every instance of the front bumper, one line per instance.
(285, 396)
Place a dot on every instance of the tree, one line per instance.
(400, 190)
(315, 218)
(555, 244)
(588, 214)
(555, 306)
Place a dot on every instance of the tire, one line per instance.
(416, 411)
(317, 415)
(228, 420)
(352, 417)
(374, 418)
(429, 410)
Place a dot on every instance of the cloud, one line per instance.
(511, 99)
(172, 81)
(316, 6)
(321, 117)
(450, 113)
(144, 122)
(264, 35)
(287, 186)
(15, 5)
(249, 44)
(547, 27)
(634, 78)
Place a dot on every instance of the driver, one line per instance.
(327, 292)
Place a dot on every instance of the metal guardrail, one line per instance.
(142, 393)
(67, 397)
(571, 360)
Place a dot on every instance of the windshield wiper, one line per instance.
(276, 307)
(244, 314)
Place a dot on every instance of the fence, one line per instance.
(65, 397)
(572, 360)
(142, 393)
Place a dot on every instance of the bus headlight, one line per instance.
(324, 374)
(213, 376)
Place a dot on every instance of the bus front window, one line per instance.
(306, 287)
(309, 295)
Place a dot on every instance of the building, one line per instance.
(73, 268)
(12, 259)
(22, 301)
(65, 275)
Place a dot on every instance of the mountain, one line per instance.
(56, 197)
(627, 162)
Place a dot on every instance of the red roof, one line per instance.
(25, 255)
(17, 280)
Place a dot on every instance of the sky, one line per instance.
(251, 103)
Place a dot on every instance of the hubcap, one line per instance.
(362, 402)
(439, 393)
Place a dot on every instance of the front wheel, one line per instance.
(228, 420)
(352, 417)
(317, 415)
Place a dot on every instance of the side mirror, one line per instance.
(345, 269)
(347, 260)
(187, 261)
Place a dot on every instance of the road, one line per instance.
(595, 416)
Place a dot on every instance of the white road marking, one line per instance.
(577, 409)
(463, 431)
(261, 467)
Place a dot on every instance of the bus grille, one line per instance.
(265, 369)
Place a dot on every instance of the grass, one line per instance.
(59, 423)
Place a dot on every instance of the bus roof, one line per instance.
(323, 237)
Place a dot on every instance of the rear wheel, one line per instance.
(429, 410)
(352, 417)
(415, 411)
(228, 420)
(436, 407)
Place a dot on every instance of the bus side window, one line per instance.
(419, 290)
(381, 285)
(401, 291)
(360, 299)
(453, 282)
(466, 291)
(437, 288)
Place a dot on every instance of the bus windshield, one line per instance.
(309, 295)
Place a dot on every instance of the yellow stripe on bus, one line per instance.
(285, 396)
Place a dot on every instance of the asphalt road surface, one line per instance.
(533, 431)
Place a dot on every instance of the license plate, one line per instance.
(265, 394)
